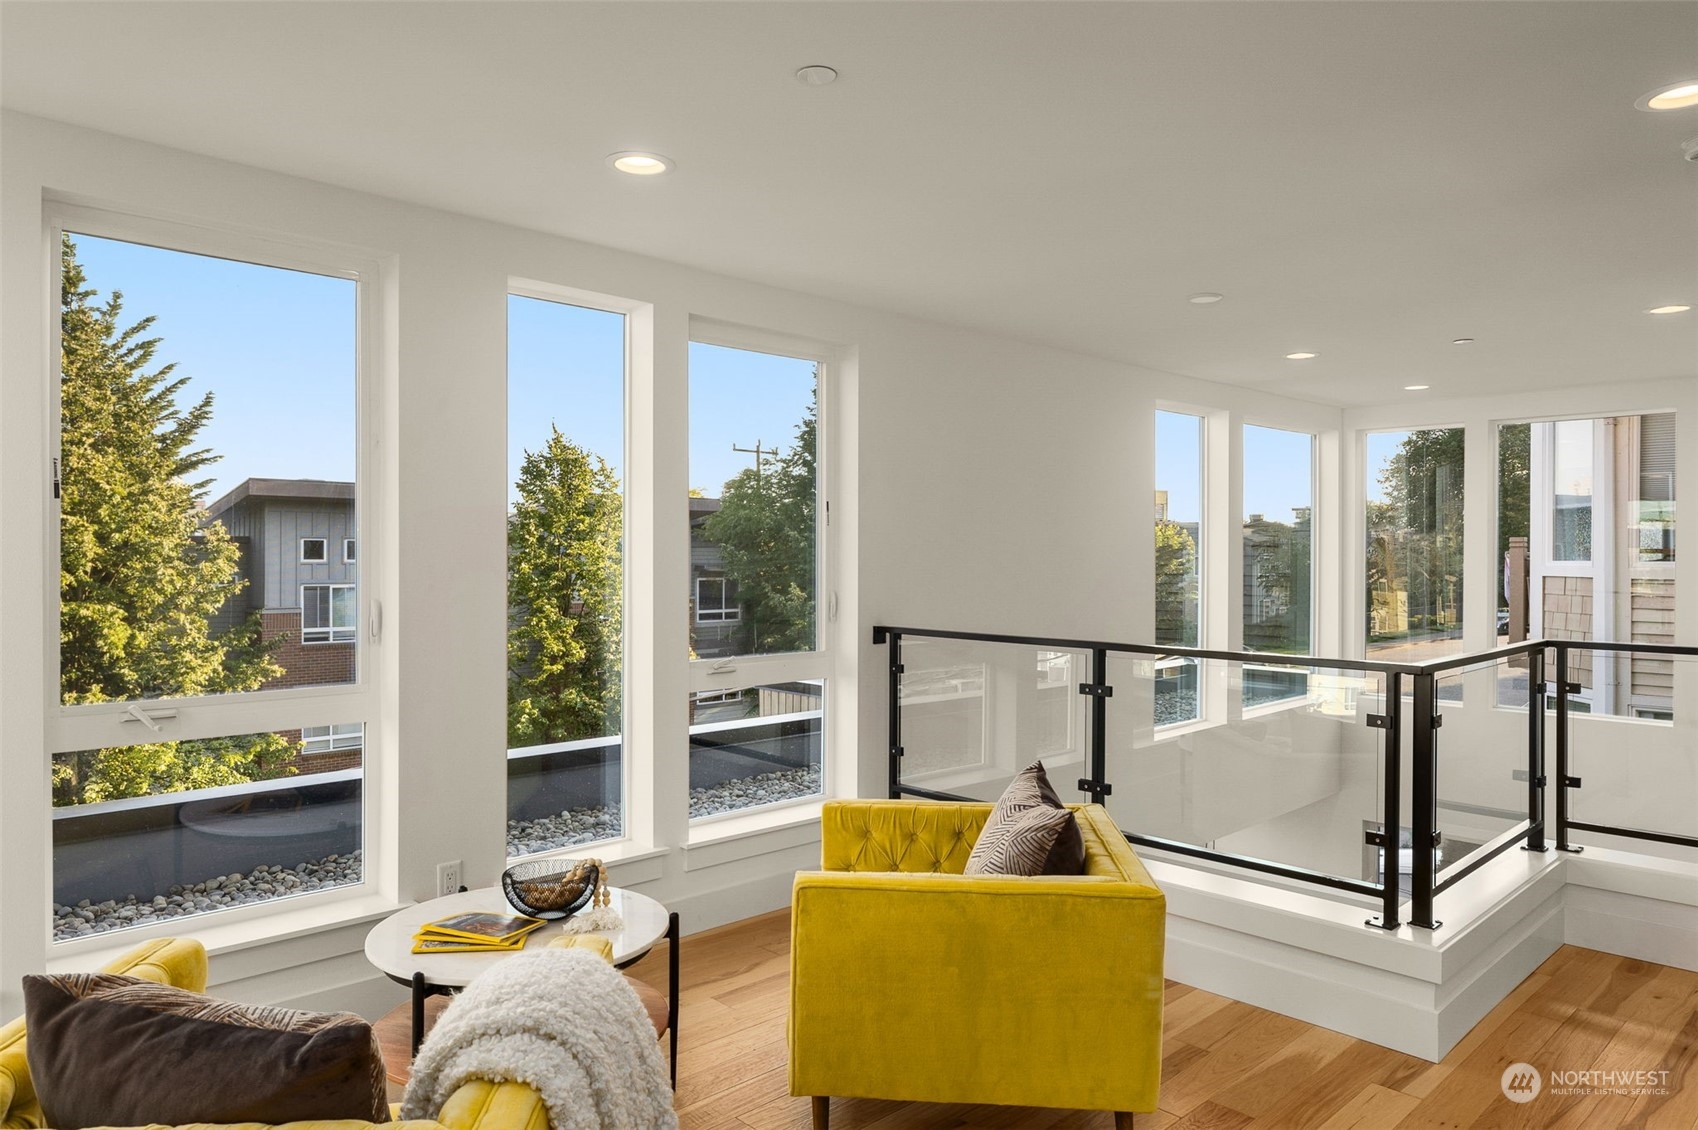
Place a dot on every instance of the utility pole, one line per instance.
(760, 453)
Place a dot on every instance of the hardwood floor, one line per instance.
(1228, 1066)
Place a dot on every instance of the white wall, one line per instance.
(968, 469)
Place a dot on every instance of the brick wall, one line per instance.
(309, 665)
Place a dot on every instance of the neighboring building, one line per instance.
(715, 615)
(299, 554)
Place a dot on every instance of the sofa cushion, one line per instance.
(110, 1050)
(1029, 832)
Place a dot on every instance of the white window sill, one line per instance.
(223, 932)
(725, 839)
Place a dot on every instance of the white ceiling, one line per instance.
(1363, 180)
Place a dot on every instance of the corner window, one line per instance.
(716, 601)
(1279, 512)
(1179, 562)
(181, 555)
(1414, 528)
(328, 614)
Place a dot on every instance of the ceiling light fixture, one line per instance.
(1204, 298)
(1462, 341)
(817, 75)
(1416, 388)
(640, 164)
(1675, 309)
(1677, 97)
(1301, 356)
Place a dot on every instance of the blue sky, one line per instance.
(1277, 468)
(276, 348)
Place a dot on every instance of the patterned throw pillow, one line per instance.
(110, 1050)
(1029, 832)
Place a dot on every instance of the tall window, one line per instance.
(1571, 490)
(194, 507)
(1178, 566)
(1414, 550)
(757, 708)
(565, 574)
(1278, 530)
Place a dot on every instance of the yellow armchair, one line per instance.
(910, 980)
(182, 962)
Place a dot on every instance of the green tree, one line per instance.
(1416, 545)
(765, 530)
(1176, 585)
(563, 584)
(140, 577)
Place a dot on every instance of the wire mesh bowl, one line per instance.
(551, 888)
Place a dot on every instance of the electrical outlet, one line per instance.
(448, 877)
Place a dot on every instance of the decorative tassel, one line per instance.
(601, 915)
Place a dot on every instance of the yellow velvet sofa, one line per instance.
(182, 962)
(910, 980)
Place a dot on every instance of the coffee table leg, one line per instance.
(672, 996)
(420, 992)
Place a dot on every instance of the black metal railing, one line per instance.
(1411, 708)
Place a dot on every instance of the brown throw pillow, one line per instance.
(110, 1050)
(1019, 815)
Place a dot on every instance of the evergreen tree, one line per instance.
(563, 577)
(765, 531)
(140, 578)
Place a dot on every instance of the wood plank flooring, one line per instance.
(1227, 1065)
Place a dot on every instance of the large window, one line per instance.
(1178, 564)
(565, 574)
(1414, 548)
(193, 523)
(1278, 529)
(758, 686)
(1587, 530)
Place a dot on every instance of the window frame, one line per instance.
(333, 633)
(742, 671)
(1241, 518)
(348, 552)
(323, 557)
(85, 726)
(731, 613)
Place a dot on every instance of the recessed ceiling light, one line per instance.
(1462, 341)
(817, 75)
(1204, 298)
(1668, 309)
(640, 164)
(1677, 97)
(1416, 388)
(1301, 356)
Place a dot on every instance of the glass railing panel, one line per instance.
(1280, 765)
(142, 837)
(1634, 754)
(563, 794)
(974, 714)
(1481, 787)
(754, 747)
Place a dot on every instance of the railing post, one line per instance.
(894, 639)
(1097, 783)
(1423, 838)
(1535, 750)
(1392, 820)
(1562, 777)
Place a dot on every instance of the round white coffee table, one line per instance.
(389, 946)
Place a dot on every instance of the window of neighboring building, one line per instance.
(566, 377)
(1414, 550)
(1279, 493)
(329, 739)
(177, 555)
(716, 601)
(756, 524)
(329, 614)
(347, 551)
(1179, 561)
(1571, 490)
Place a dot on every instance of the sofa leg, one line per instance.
(822, 1112)
(1122, 1120)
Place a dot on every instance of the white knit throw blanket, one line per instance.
(562, 1021)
